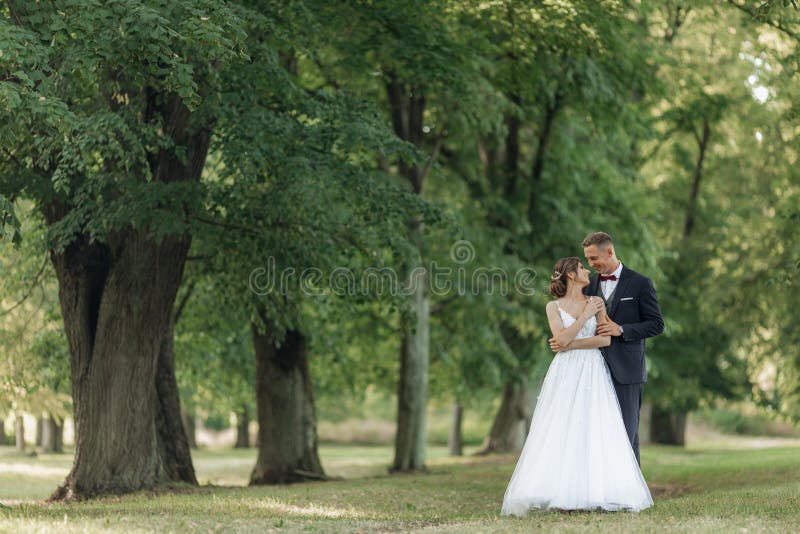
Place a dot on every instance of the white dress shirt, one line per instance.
(609, 286)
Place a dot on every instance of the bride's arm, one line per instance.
(594, 341)
(561, 334)
(589, 342)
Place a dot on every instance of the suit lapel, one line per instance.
(624, 279)
(594, 285)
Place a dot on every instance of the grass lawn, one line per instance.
(701, 489)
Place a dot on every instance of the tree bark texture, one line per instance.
(407, 109)
(412, 394)
(173, 443)
(52, 434)
(287, 424)
(510, 425)
(455, 441)
(667, 427)
(243, 428)
(116, 308)
(117, 299)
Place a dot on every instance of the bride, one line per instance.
(577, 455)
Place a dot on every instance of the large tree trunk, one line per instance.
(19, 431)
(242, 428)
(455, 441)
(174, 445)
(667, 427)
(117, 309)
(287, 424)
(510, 425)
(52, 434)
(3, 437)
(57, 433)
(117, 302)
(407, 109)
(412, 394)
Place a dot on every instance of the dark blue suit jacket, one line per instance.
(633, 306)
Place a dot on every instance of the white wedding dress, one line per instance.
(577, 455)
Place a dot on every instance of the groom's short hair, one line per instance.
(601, 239)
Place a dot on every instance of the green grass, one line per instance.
(695, 490)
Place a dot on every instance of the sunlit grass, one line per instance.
(24, 478)
(696, 490)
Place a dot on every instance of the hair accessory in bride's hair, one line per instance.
(556, 275)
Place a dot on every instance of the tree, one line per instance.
(107, 134)
(711, 128)
(551, 164)
(766, 250)
(425, 68)
(295, 157)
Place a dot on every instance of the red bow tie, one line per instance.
(610, 277)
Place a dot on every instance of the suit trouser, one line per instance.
(630, 402)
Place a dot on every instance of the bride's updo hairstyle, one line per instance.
(558, 282)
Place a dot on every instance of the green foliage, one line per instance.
(774, 362)
(217, 421)
(82, 127)
(9, 224)
(215, 366)
(718, 253)
(34, 366)
(291, 187)
(561, 77)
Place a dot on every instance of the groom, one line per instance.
(633, 314)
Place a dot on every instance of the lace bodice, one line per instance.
(587, 330)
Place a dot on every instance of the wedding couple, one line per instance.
(582, 451)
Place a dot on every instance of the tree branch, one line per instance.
(13, 158)
(659, 144)
(698, 174)
(30, 289)
(184, 300)
(697, 136)
(774, 23)
(551, 111)
(13, 12)
(435, 154)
